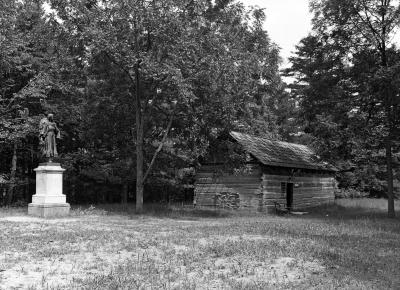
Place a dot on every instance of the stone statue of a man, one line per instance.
(48, 132)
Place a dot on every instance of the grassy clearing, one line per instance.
(366, 204)
(351, 245)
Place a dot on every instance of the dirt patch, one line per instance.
(230, 238)
(284, 270)
(63, 270)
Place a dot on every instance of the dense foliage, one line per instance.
(138, 88)
(347, 84)
(141, 89)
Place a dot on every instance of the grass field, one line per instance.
(350, 245)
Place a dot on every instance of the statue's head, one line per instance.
(50, 117)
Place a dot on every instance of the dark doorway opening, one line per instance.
(289, 195)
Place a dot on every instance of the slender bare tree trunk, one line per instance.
(391, 212)
(139, 146)
(12, 175)
(389, 121)
(124, 193)
(73, 190)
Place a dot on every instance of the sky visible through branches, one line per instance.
(288, 21)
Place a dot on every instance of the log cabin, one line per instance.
(271, 173)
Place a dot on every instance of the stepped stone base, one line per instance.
(49, 200)
(48, 209)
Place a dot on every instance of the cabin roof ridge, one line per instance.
(281, 153)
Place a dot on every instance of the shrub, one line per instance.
(349, 193)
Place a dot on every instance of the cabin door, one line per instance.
(289, 195)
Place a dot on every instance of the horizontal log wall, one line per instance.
(307, 191)
(217, 188)
(213, 182)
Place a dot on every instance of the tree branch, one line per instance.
(368, 23)
(159, 148)
(119, 66)
(8, 108)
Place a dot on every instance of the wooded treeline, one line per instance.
(137, 88)
(348, 83)
(141, 88)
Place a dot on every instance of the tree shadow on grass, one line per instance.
(349, 212)
(156, 210)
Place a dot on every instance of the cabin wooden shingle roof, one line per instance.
(282, 154)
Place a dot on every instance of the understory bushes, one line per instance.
(350, 193)
(86, 191)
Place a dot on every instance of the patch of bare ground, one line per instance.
(97, 250)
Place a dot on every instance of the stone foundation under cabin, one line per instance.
(257, 188)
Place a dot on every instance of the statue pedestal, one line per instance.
(49, 201)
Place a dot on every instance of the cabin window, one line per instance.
(283, 189)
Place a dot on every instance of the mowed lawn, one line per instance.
(350, 245)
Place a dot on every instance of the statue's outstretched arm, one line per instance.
(58, 134)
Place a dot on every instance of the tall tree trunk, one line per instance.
(389, 165)
(388, 145)
(389, 121)
(73, 190)
(139, 147)
(12, 175)
(124, 193)
(26, 185)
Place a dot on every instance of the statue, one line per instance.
(49, 200)
(48, 132)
